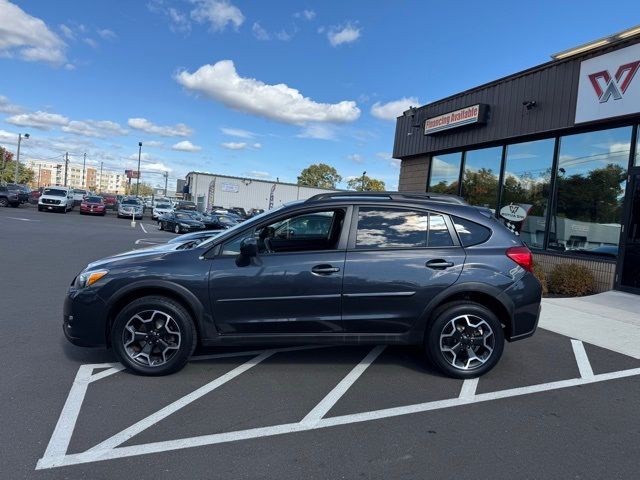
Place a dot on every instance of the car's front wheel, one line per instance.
(465, 340)
(177, 229)
(153, 336)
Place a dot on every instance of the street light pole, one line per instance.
(363, 174)
(84, 165)
(138, 179)
(26, 135)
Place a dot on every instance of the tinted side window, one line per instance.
(391, 228)
(439, 235)
(470, 233)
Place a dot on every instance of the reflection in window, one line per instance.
(392, 228)
(445, 172)
(481, 176)
(526, 183)
(438, 232)
(591, 178)
(637, 159)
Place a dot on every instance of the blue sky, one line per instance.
(262, 88)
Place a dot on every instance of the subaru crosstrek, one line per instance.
(338, 268)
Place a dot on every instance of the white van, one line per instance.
(58, 199)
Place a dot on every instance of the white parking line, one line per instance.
(468, 389)
(581, 359)
(56, 452)
(142, 227)
(23, 219)
(321, 409)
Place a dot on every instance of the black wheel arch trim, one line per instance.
(157, 287)
(456, 290)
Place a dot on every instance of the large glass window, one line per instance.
(591, 178)
(527, 177)
(445, 173)
(481, 176)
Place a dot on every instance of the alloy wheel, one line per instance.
(151, 338)
(467, 342)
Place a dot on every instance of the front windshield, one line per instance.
(163, 206)
(130, 202)
(55, 192)
(93, 200)
(226, 220)
(83, 192)
(183, 216)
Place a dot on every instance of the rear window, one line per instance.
(470, 233)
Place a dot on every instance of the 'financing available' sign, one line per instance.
(455, 119)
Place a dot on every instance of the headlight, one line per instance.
(184, 225)
(86, 279)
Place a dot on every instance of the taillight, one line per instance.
(522, 256)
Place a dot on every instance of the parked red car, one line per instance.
(110, 201)
(93, 205)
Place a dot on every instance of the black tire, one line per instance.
(166, 307)
(441, 324)
(119, 216)
(4, 202)
(15, 205)
(40, 208)
(177, 229)
(160, 226)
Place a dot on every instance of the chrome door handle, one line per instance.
(438, 264)
(324, 269)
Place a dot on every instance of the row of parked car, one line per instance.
(14, 194)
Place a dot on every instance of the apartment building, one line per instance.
(53, 173)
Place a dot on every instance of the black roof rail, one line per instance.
(428, 196)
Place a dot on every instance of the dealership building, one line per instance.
(553, 150)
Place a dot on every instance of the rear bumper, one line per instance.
(526, 297)
(84, 318)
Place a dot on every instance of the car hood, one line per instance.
(188, 221)
(153, 250)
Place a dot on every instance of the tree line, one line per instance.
(321, 175)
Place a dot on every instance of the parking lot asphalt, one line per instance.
(554, 407)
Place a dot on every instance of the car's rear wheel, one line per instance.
(465, 340)
(177, 229)
(153, 336)
(4, 202)
(160, 226)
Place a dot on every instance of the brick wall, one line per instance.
(604, 272)
(413, 175)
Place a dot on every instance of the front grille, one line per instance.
(49, 201)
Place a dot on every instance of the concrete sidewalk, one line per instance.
(610, 320)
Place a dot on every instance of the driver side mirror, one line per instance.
(249, 247)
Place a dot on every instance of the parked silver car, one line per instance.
(129, 207)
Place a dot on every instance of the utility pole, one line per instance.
(100, 182)
(363, 174)
(66, 167)
(166, 180)
(26, 135)
(84, 165)
(138, 179)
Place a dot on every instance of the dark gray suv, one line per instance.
(338, 268)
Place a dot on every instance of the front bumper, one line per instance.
(130, 214)
(84, 318)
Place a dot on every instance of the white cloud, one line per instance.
(28, 38)
(39, 119)
(7, 107)
(319, 132)
(392, 110)
(8, 137)
(259, 32)
(218, 13)
(154, 144)
(178, 21)
(143, 156)
(384, 155)
(67, 32)
(94, 128)
(395, 162)
(355, 158)
(91, 42)
(284, 36)
(277, 102)
(186, 146)
(306, 14)
(155, 166)
(178, 130)
(341, 34)
(235, 132)
(258, 174)
(106, 34)
(240, 145)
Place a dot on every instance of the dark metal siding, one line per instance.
(553, 86)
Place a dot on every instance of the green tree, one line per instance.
(8, 169)
(370, 184)
(144, 190)
(319, 175)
